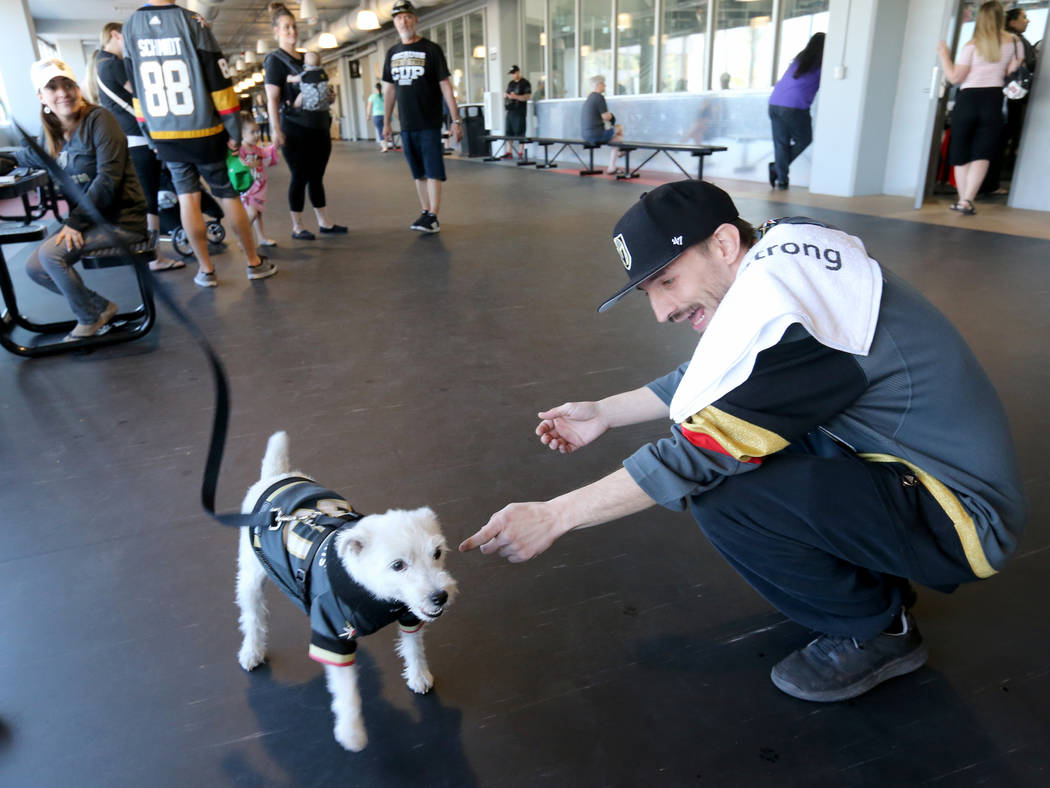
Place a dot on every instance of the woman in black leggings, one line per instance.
(302, 134)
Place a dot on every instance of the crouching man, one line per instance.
(833, 434)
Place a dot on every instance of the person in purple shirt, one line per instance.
(789, 105)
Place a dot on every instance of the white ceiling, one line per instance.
(237, 24)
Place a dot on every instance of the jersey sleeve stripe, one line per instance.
(718, 431)
(137, 106)
(323, 655)
(226, 101)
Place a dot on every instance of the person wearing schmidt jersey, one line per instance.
(87, 142)
(833, 435)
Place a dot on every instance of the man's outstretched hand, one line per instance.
(571, 426)
(517, 532)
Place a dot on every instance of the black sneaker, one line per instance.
(772, 176)
(419, 223)
(834, 667)
(428, 223)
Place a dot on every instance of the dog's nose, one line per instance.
(439, 598)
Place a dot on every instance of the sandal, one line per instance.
(966, 208)
(165, 265)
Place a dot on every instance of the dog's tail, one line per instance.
(275, 461)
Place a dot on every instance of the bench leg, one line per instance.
(626, 174)
(590, 164)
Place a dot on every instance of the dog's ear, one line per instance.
(351, 544)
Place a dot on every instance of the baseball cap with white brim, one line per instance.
(43, 71)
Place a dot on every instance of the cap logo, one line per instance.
(677, 240)
(622, 250)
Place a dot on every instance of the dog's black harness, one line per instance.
(308, 530)
(293, 541)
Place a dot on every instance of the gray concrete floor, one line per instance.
(408, 371)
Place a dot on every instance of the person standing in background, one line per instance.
(516, 102)
(304, 135)
(185, 101)
(789, 105)
(374, 104)
(107, 85)
(416, 75)
(977, 117)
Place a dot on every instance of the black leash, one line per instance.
(220, 423)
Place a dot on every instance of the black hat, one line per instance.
(513, 69)
(663, 224)
(402, 7)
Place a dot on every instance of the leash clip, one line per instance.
(280, 519)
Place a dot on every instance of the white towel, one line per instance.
(796, 273)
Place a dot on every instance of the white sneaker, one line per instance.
(206, 279)
(264, 269)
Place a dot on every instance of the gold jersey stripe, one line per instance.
(185, 135)
(225, 99)
(964, 525)
(740, 439)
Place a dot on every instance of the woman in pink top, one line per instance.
(977, 117)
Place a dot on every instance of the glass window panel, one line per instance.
(533, 23)
(595, 43)
(562, 43)
(439, 36)
(635, 46)
(683, 57)
(743, 50)
(457, 61)
(802, 18)
(477, 56)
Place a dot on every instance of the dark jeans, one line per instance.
(826, 537)
(792, 133)
(307, 152)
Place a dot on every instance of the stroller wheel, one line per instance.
(216, 233)
(180, 242)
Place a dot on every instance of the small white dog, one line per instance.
(351, 574)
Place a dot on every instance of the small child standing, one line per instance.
(256, 157)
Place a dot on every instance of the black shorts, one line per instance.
(977, 119)
(425, 153)
(186, 176)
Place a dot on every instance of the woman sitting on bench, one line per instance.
(88, 144)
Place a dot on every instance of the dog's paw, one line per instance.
(420, 681)
(251, 655)
(351, 735)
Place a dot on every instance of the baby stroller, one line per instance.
(171, 221)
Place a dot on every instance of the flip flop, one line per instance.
(166, 265)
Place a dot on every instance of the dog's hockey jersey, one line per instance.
(184, 98)
(303, 563)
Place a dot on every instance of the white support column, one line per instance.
(1032, 171)
(16, 55)
(71, 50)
(853, 124)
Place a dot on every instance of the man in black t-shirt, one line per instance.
(597, 125)
(415, 72)
(515, 100)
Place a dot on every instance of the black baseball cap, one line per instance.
(513, 69)
(402, 7)
(664, 223)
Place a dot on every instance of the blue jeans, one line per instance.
(792, 133)
(51, 266)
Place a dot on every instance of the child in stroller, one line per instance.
(171, 222)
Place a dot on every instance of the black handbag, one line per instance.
(1020, 81)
